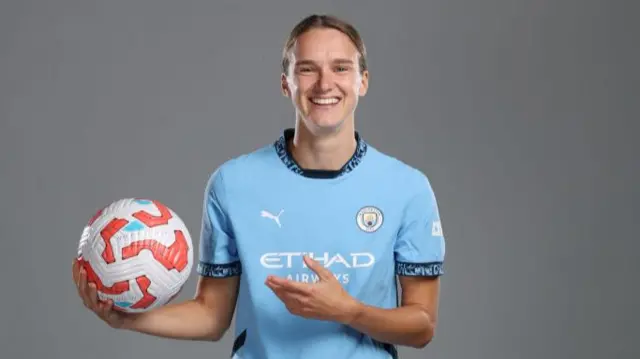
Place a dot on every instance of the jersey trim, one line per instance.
(284, 152)
(389, 348)
(238, 343)
(220, 270)
(430, 269)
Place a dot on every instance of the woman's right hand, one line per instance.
(88, 293)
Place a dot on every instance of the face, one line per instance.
(324, 81)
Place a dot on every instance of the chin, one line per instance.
(324, 125)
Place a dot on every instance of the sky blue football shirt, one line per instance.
(374, 219)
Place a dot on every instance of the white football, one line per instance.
(138, 252)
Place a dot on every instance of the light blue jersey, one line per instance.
(372, 220)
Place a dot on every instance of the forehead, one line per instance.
(324, 44)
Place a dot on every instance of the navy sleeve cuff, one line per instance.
(429, 269)
(220, 270)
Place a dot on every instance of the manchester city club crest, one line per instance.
(369, 219)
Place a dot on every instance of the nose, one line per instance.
(325, 80)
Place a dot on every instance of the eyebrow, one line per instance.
(336, 61)
(343, 61)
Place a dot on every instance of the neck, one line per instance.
(328, 151)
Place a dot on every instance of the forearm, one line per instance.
(189, 320)
(408, 325)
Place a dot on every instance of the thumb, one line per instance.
(319, 269)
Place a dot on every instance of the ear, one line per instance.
(364, 83)
(284, 85)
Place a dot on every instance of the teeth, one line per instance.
(325, 101)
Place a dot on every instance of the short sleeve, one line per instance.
(420, 245)
(218, 255)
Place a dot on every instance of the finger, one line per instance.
(82, 287)
(278, 293)
(277, 289)
(291, 300)
(82, 281)
(274, 282)
(283, 284)
(74, 271)
(93, 295)
(299, 300)
(105, 309)
(296, 304)
(285, 294)
(319, 269)
(277, 286)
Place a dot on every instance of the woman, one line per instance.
(307, 236)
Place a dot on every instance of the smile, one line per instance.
(325, 100)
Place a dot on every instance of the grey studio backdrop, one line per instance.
(522, 113)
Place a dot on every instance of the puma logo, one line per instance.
(267, 214)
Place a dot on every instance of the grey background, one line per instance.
(523, 114)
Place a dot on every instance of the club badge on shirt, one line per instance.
(369, 219)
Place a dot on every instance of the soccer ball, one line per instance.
(138, 253)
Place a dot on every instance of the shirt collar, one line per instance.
(284, 152)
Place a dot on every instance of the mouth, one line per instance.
(325, 101)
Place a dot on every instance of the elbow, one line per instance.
(218, 332)
(217, 328)
(216, 335)
(217, 321)
(422, 342)
(424, 338)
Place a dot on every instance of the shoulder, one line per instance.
(411, 179)
(240, 170)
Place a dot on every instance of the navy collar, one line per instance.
(284, 152)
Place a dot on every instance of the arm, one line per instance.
(412, 324)
(419, 255)
(419, 252)
(205, 317)
(209, 314)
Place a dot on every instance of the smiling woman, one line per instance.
(320, 251)
(324, 72)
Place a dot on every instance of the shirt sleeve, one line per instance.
(218, 255)
(420, 246)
